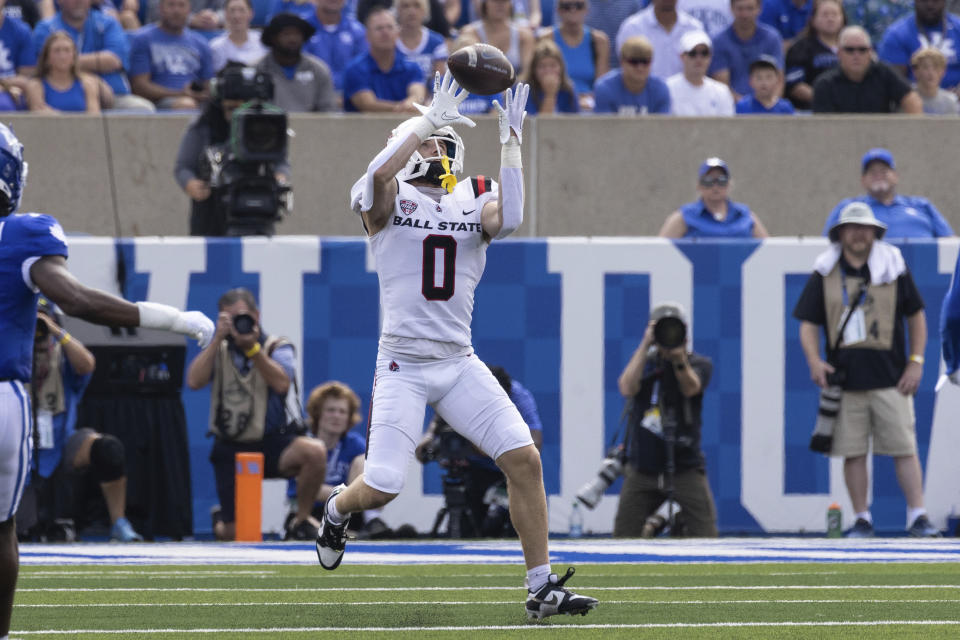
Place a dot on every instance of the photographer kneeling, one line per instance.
(665, 383)
(232, 160)
(474, 487)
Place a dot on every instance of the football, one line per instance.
(482, 69)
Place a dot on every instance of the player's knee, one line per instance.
(384, 479)
(521, 463)
(107, 459)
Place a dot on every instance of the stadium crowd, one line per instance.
(580, 56)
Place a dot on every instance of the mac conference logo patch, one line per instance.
(408, 206)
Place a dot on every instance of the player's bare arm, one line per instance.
(51, 276)
(503, 217)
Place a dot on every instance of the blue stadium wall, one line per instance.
(563, 317)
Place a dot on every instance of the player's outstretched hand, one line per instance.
(512, 115)
(196, 325)
(444, 110)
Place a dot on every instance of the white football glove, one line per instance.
(443, 110)
(514, 113)
(196, 325)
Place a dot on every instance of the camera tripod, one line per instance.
(455, 509)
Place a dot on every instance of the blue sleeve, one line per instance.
(353, 81)
(115, 41)
(893, 47)
(661, 101)
(285, 356)
(941, 228)
(27, 54)
(40, 33)
(139, 55)
(834, 216)
(770, 14)
(603, 98)
(525, 405)
(206, 60)
(73, 381)
(42, 235)
(721, 59)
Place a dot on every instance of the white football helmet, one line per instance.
(418, 165)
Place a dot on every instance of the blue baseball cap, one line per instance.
(877, 154)
(713, 163)
(765, 60)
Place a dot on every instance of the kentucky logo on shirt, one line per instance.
(408, 206)
(938, 41)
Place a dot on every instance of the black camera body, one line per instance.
(448, 448)
(246, 195)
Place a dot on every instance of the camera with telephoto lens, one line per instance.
(827, 410)
(669, 332)
(610, 469)
(244, 323)
(246, 195)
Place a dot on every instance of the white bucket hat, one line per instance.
(857, 213)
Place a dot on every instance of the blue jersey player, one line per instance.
(33, 259)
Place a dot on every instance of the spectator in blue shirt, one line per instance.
(383, 79)
(418, 43)
(713, 215)
(905, 216)
(16, 65)
(586, 51)
(630, 89)
(929, 25)
(766, 83)
(103, 46)
(306, 9)
(607, 16)
(788, 17)
(741, 43)
(876, 15)
(551, 89)
(170, 64)
(339, 39)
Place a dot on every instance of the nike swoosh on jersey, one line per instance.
(466, 213)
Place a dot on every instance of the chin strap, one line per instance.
(447, 180)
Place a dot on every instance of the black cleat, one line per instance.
(331, 538)
(554, 599)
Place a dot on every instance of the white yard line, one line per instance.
(525, 627)
(713, 587)
(461, 603)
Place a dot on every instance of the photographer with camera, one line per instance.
(64, 456)
(861, 292)
(232, 160)
(474, 487)
(250, 410)
(665, 384)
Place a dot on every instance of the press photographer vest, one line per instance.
(238, 402)
(879, 307)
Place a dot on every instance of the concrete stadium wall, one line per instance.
(586, 176)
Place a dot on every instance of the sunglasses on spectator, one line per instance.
(637, 61)
(571, 6)
(699, 53)
(855, 49)
(718, 181)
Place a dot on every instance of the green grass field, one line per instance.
(743, 601)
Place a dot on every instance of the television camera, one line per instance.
(246, 195)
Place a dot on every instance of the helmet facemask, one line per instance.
(437, 165)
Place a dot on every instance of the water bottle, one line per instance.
(576, 521)
(834, 521)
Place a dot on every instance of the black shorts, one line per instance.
(223, 459)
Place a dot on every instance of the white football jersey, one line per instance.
(429, 259)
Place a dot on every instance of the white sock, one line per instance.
(537, 577)
(333, 514)
(865, 515)
(913, 513)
